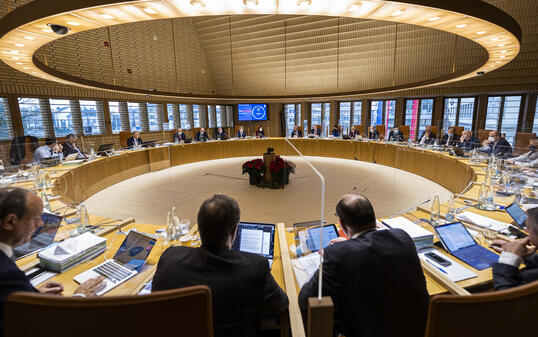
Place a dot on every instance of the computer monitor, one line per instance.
(105, 147)
(42, 236)
(257, 238)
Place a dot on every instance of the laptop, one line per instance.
(42, 237)
(517, 214)
(457, 240)
(72, 156)
(128, 261)
(257, 238)
(103, 148)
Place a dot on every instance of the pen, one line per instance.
(441, 269)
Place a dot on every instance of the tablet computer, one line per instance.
(314, 236)
(517, 214)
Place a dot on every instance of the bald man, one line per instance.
(495, 145)
(374, 279)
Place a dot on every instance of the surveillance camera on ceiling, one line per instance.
(59, 29)
(480, 73)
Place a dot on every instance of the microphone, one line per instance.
(322, 214)
(410, 208)
(464, 190)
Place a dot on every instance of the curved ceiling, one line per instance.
(262, 56)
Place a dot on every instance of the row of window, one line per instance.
(35, 118)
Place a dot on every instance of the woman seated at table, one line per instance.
(260, 133)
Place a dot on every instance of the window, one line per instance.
(535, 124)
(196, 115)
(426, 111)
(115, 117)
(153, 117)
(32, 121)
(357, 107)
(90, 114)
(345, 115)
(510, 117)
(229, 116)
(390, 114)
(183, 121)
(289, 111)
(326, 116)
(298, 114)
(376, 109)
(6, 129)
(170, 112)
(218, 115)
(61, 117)
(210, 114)
(316, 114)
(503, 113)
(134, 116)
(459, 112)
(411, 116)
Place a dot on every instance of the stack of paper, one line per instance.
(71, 252)
(483, 221)
(421, 237)
(304, 267)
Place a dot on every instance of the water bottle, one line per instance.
(82, 213)
(435, 211)
(92, 154)
(489, 202)
(171, 228)
(45, 199)
(451, 214)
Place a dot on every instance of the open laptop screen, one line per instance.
(517, 214)
(134, 250)
(455, 236)
(42, 236)
(257, 238)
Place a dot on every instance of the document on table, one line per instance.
(483, 221)
(456, 272)
(304, 267)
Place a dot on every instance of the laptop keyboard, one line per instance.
(113, 271)
(471, 253)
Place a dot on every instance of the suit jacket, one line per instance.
(223, 135)
(397, 138)
(499, 148)
(241, 134)
(455, 140)
(297, 133)
(260, 134)
(179, 138)
(373, 135)
(376, 283)
(430, 140)
(68, 149)
(200, 138)
(336, 133)
(131, 141)
(470, 144)
(12, 279)
(354, 133)
(316, 132)
(242, 287)
(506, 276)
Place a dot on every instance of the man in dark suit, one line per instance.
(179, 136)
(427, 137)
(242, 287)
(396, 135)
(220, 134)
(374, 279)
(20, 215)
(135, 140)
(373, 133)
(353, 133)
(451, 138)
(497, 146)
(241, 133)
(70, 147)
(296, 133)
(336, 131)
(201, 136)
(316, 131)
(506, 273)
(467, 141)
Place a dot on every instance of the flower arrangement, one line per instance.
(281, 167)
(254, 166)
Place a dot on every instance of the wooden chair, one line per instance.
(483, 134)
(493, 314)
(124, 135)
(523, 141)
(182, 312)
(434, 130)
(359, 128)
(405, 130)
(458, 130)
(381, 130)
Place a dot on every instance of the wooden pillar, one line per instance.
(399, 118)
(335, 114)
(107, 120)
(529, 110)
(320, 317)
(437, 114)
(16, 119)
(365, 114)
(480, 114)
(306, 109)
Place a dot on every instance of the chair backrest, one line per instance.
(124, 135)
(381, 130)
(480, 315)
(523, 141)
(359, 128)
(29, 148)
(184, 312)
(434, 130)
(405, 130)
(458, 130)
(483, 134)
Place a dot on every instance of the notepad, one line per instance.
(304, 267)
(483, 221)
(455, 272)
(421, 237)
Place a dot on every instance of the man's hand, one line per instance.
(91, 287)
(338, 239)
(52, 288)
(517, 247)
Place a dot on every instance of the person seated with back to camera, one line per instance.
(296, 133)
(374, 278)
(242, 287)
(496, 145)
(506, 273)
(135, 140)
(260, 133)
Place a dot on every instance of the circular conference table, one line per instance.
(76, 183)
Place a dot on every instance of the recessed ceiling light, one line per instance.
(150, 10)
(463, 25)
(481, 32)
(494, 39)
(502, 56)
(73, 23)
(501, 45)
(435, 18)
(106, 16)
(355, 6)
(503, 51)
(398, 12)
(26, 68)
(7, 52)
(29, 38)
(301, 3)
(16, 58)
(45, 30)
(18, 62)
(251, 4)
(19, 45)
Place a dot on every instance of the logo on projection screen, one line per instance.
(258, 112)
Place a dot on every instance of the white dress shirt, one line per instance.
(44, 152)
(6, 249)
(510, 259)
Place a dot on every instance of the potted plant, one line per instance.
(281, 169)
(255, 169)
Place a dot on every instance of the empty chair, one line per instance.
(178, 312)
